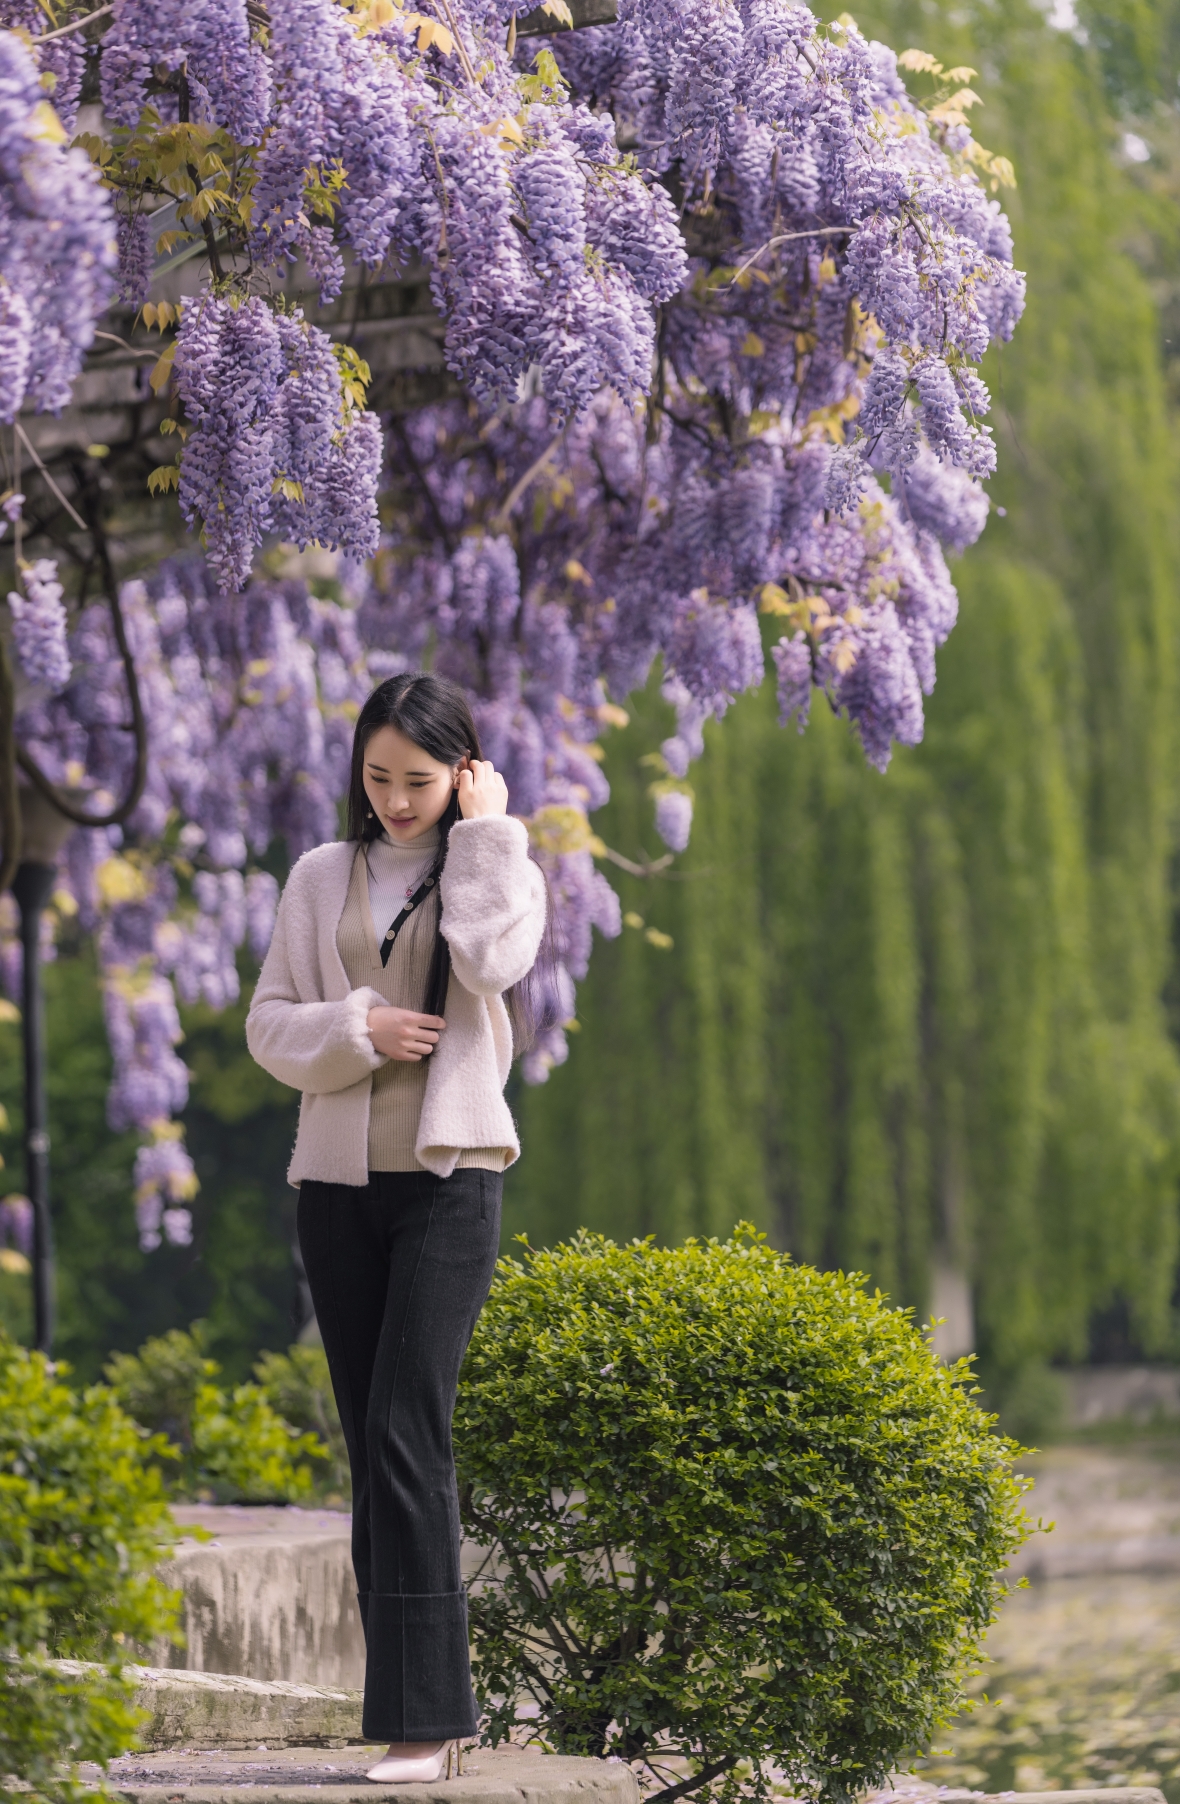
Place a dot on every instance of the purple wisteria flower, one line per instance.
(16, 1224)
(39, 628)
(57, 244)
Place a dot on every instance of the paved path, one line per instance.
(506, 1775)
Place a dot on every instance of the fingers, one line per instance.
(482, 790)
(475, 773)
(404, 1034)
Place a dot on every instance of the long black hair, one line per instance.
(435, 714)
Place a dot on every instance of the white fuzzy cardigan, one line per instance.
(310, 1030)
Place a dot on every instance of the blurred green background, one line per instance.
(922, 1025)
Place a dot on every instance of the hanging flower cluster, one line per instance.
(57, 242)
(274, 445)
(39, 628)
(249, 714)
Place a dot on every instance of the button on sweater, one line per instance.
(395, 871)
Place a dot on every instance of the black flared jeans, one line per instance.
(399, 1271)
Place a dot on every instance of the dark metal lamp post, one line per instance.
(43, 833)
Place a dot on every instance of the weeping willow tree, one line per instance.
(915, 1024)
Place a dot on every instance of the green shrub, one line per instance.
(159, 1384)
(737, 1516)
(225, 1446)
(298, 1386)
(83, 1517)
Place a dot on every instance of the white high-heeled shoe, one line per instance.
(401, 1769)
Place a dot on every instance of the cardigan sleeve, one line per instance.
(318, 1047)
(493, 903)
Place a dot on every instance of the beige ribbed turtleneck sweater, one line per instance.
(380, 887)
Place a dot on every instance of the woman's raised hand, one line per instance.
(482, 790)
(401, 1034)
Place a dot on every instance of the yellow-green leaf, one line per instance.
(44, 125)
(920, 61)
(203, 204)
(431, 32)
(162, 370)
(545, 63)
(163, 478)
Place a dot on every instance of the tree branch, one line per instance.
(50, 790)
(652, 868)
(63, 31)
(785, 238)
(75, 516)
(706, 1774)
(10, 822)
(499, 519)
(183, 108)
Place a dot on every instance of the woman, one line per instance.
(382, 1000)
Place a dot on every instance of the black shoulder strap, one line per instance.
(419, 895)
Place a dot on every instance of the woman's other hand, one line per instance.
(401, 1034)
(482, 790)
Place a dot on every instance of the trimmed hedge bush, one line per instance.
(738, 1517)
(83, 1521)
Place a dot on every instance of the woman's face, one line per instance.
(408, 790)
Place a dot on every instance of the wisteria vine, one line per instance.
(716, 287)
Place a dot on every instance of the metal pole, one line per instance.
(32, 886)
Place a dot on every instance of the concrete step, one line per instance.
(194, 1710)
(505, 1775)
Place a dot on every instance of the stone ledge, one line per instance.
(220, 1710)
(272, 1596)
(505, 1775)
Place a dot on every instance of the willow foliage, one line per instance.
(917, 1019)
